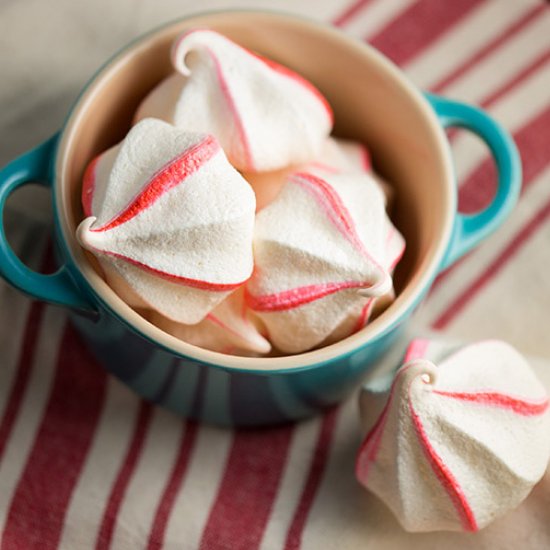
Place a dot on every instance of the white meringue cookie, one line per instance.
(265, 116)
(268, 185)
(170, 220)
(344, 155)
(359, 316)
(321, 253)
(459, 444)
(337, 155)
(226, 329)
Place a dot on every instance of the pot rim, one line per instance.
(397, 312)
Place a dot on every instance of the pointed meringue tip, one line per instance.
(179, 51)
(378, 289)
(255, 342)
(260, 345)
(423, 369)
(84, 234)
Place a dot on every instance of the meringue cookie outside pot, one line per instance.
(379, 107)
(457, 442)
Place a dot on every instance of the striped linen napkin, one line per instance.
(86, 464)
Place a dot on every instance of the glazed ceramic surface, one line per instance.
(373, 103)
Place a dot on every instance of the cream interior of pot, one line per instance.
(372, 104)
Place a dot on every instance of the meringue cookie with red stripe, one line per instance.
(344, 155)
(359, 316)
(321, 253)
(337, 155)
(169, 219)
(265, 116)
(460, 443)
(228, 328)
(268, 185)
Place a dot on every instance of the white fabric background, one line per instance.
(48, 50)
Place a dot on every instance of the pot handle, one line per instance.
(58, 288)
(470, 229)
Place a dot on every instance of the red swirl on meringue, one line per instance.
(264, 115)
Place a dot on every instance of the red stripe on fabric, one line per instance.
(520, 77)
(489, 48)
(319, 463)
(248, 489)
(417, 349)
(499, 400)
(444, 475)
(418, 26)
(169, 176)
(508, 86)
(463, 299)
(477, 191)
(22, 375)
(350, 12)
(26, 358)
(156, 538)
(39, 505)
(525, 73)
(179, 470)
(531, 141)
(124, 476)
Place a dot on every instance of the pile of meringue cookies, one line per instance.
(231, 219)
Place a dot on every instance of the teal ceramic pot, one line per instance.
(373, 103)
